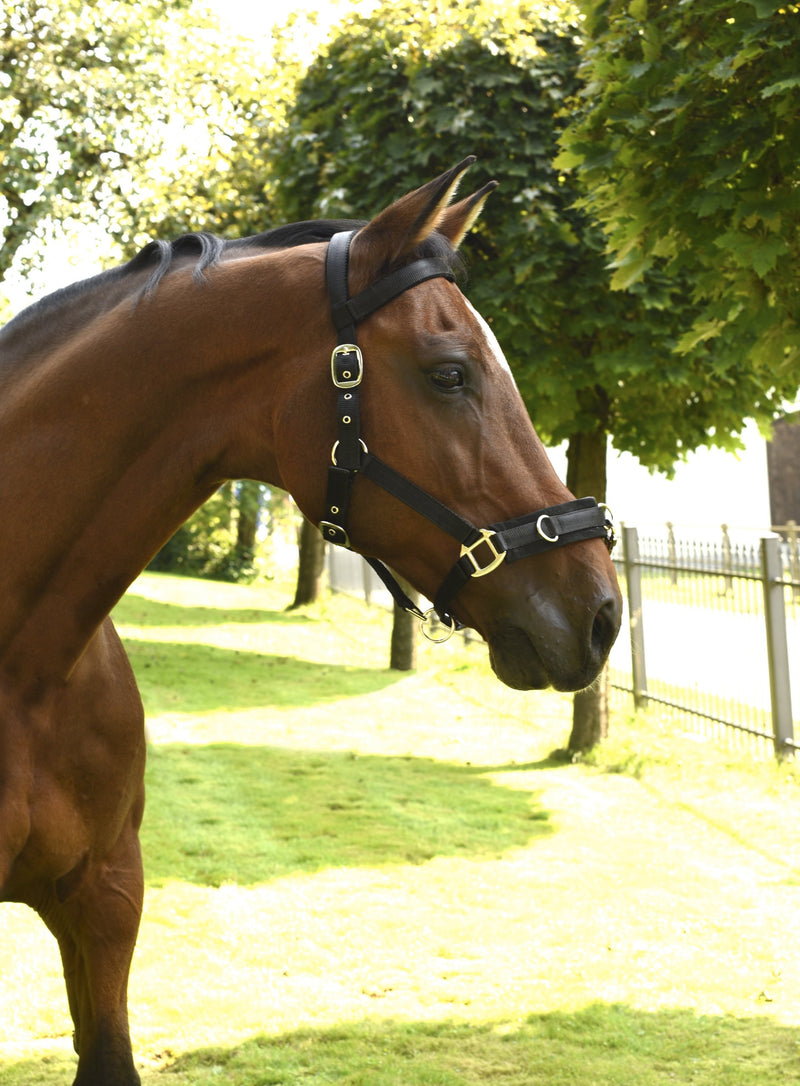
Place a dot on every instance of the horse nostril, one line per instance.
(606, 625)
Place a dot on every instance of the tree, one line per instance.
(231, 97)
(687, 143)
(419, 86)
(403, 645)
(311, 565)
(83, 97)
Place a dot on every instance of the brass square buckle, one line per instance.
(334, 533)
(487, 537)
(347, 372)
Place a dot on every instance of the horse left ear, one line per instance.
(397, 231)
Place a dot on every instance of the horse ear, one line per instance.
(459, 219)
(399, 229)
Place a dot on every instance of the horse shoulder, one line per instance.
(72, 773)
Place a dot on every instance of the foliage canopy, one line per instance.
(402, 93)
(82, 97)
(687, 144)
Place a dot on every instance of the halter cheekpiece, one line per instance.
(482, 549)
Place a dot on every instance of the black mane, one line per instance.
(208, 248)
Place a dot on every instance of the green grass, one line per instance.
(227, 813)
(362, 878)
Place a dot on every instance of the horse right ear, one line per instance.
(459, 219)
(397, 231)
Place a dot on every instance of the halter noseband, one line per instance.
(482, 549)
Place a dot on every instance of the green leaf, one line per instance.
(765, 8)
(568, 159)
(781, 86)
(629, 270)
(765, 254)
(637, 9)
(699, 333)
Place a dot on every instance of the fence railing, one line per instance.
(713, 631)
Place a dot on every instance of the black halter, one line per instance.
(482, 549)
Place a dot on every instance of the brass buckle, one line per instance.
(487, 536)
(350, 378)
(334, 533)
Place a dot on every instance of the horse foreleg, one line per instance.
(96, 926)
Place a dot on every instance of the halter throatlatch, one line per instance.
(482, 549)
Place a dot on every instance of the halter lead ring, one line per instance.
(509, 541)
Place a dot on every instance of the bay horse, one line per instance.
(127, 399)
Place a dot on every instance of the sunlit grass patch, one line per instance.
(387, 880)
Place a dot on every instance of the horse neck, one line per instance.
(112, 438)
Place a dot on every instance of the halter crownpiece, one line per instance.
(482, 549)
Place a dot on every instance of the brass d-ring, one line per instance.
(336, 446)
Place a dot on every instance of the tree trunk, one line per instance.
(310, 566)
(590, 715)
(247, 523)
(586, 475)
(403, 655)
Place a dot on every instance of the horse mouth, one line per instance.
(518, 663)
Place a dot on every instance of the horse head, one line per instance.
(436, 469)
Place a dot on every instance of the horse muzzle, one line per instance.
(548, 647)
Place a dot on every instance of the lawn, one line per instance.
(364, 878)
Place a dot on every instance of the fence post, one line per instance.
(633, 579)
(727, 558)
(672, 553)
(794, 556)
(777, 646)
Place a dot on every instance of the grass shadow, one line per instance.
(601, 1045)
(247, 814)
(133, 610)
(194, 677)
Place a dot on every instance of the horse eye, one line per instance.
(448, 377)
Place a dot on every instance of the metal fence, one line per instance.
(714, 630)
(349, 573)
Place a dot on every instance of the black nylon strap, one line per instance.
(337, 502)
(535, 533)
(349, 453)
(348, 313)
(418, 499)
(556, 525)
(390, 582)
(483, 549)
(336, 263)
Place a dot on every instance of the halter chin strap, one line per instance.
(482, 549)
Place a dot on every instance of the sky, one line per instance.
(710, 489)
